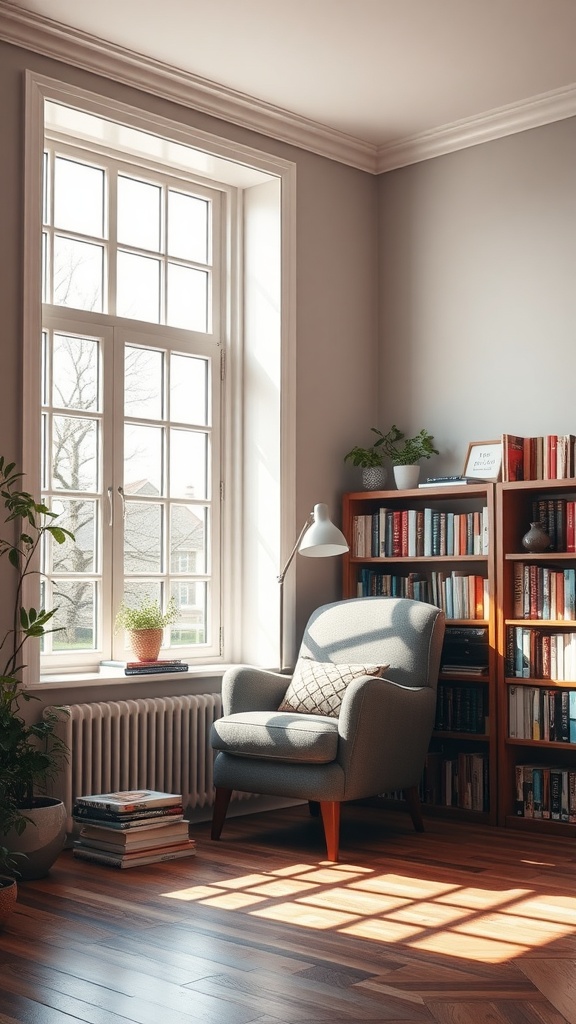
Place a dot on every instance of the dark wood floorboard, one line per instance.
(458, 925)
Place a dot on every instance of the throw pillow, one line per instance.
(318, 688)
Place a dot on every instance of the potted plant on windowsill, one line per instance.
(32, 825)
(145, 625)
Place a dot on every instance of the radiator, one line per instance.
(148, 743)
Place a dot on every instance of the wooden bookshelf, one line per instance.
(411, 572)
(530, 625)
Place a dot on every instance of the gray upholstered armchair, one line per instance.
(365, 693)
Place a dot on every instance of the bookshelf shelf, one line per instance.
(464, 518)
(535, 668)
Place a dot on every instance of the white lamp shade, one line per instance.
(322, 539)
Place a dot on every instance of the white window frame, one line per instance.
(251, 631)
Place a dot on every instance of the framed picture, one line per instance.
(484, 460)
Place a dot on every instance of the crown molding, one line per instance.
(473, 131)
(80, 49)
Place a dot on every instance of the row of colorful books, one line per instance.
(551, 457)
(539, 713)
(543, 592)
(545, 791)
(536, 654)
(130, 828)
(460, 595)
(419, 533)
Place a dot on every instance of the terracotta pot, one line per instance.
(146, 643)
(8, 897)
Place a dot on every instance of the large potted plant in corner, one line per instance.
(145, 625)
(32, 825)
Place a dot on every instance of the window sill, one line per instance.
(88, 680)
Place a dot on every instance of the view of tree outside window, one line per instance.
(130, 451)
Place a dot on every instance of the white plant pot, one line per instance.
(406, 477)
(41, 841)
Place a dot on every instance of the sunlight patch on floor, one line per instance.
(463, 921)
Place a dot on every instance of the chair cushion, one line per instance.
(276, 736)
(318, 687)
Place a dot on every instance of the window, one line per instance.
(164, 457)
(134, 294)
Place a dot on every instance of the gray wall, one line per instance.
(337, 245)
(478, 292)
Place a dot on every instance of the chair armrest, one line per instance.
(246, 688)
(384, 731)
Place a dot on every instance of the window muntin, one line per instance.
(131, 417)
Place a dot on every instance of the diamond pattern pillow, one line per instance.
(318, 688)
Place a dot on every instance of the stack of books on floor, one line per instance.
(130, 828)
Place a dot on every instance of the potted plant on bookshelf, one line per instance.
(145, 624)
(371, 461)
(405, 453)
(32, 824)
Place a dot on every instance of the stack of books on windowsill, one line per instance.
(140, 668)
(131, 828)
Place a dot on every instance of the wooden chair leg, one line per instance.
(221, 801)
(330, 810)
(413, 800)
(314, 808)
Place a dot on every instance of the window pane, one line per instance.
(143, 383)
(138, 287)
(78, 197)
(74, 453)
(189, 389)
(188, 535)
(78, 274)
(191, 627)
(45, 209)
(187, 227)
(188, 464)
(75, 615)
(138, 214)
(44, 284)
(136, 592)
(75, 372)
(78, 556)
(187, 298)
(142, 538)
(143, 460)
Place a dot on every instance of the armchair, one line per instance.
(375, 735)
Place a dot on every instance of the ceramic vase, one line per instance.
(536, 539)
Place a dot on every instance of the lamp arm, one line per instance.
(309, 519)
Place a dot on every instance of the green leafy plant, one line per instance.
(394, 445)
(31, 754)
(147, 615)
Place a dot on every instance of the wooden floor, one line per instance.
(459, 925)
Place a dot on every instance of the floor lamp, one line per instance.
(318, 538)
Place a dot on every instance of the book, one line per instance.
(144, 845)
(148, 832)
(127, 800)
(117, 861)
(132, 819)
(151, 669)
(113, 663)
(447, 481)
(512, 457)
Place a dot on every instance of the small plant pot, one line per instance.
(146, 643)
(42, 840)
(406, 477)
(374, 478)
(8, 897)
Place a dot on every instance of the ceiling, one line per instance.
(377, 71)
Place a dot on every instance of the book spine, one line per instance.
(143, 670)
